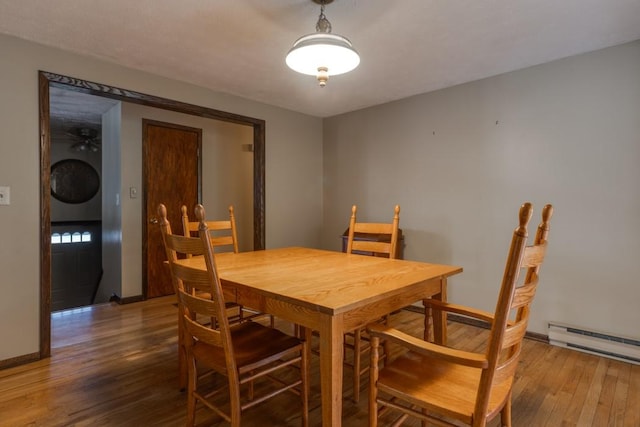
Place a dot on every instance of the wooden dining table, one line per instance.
(332, 293)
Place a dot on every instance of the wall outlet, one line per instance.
(5, 195)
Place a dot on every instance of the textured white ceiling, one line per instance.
(407, 46)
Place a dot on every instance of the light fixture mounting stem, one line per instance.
(323, 25)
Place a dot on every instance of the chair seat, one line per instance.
(253, 345)
(449, 388)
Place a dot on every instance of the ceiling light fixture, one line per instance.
(322, 54)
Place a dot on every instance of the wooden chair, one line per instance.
(175, 248)
(223, 232)
(224, 237)
(442, 385)
(375, 239)
(244, 352)
(372, 238)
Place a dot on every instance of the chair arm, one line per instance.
(459, 309)
(474, 360)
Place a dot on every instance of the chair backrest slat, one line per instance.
(534, 255)
(371, 246)
(197, 330)
(514, 334)
(506, 371)
(182, 245)
(373, 227)
(524, 295)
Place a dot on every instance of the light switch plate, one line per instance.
(5, 195)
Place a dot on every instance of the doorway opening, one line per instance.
(47, 81)
(77, 181)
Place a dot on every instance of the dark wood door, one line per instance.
(172, 177)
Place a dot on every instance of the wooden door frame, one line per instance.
(47, 80)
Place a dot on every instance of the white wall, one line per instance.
(293, 171)
(111, 282)
(460, 162)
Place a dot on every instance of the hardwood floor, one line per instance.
(115, 365)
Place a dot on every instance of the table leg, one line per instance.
(439, 317)
(428, 322)
(435, 321)
(331, 347)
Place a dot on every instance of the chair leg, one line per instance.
(251, 389)
(356, 365)
(235, 411)
(304, 373)
(373, 382)
(182, 368)
(385, 343)
(505, 413)
(214, 323)
(182, 358)
(306, 334)
(191, 389)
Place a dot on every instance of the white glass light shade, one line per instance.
(322, 50)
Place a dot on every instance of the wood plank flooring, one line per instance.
(116, 365)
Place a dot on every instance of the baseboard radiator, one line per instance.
(598, 343)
